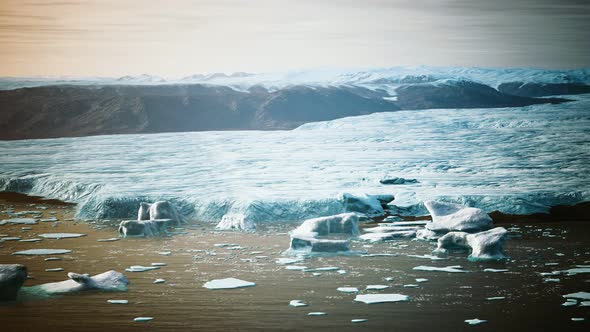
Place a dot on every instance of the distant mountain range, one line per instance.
(243, 101)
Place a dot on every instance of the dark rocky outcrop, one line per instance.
(12, 277)
(543, 89)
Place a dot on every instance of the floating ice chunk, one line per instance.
(223, 245)
(496, 298)
(310, 244)
(341, 272)
(381, 298)
(31, 240)
(139, 268)
(142, 319)
(323, 269)
(107, 281)
(49, 259)
(11, 238)
(379, 237)
(43, 252)
(317, 313)
(286, 261)
(358, 320)
(347, 289)
(450, 269)
(159, 210)
(144, 227)
(411, 286)
(61, 235)
(495, 270)
(578, 295)
(431, 257)
(165, 253)
(118, 301)
(421, 280)
(475, 321)
(109, 240)
(389, 279)
(295, 267)
(227, 283)
(577, 319)
(585, 304)
(297, 303)
(371, 205)
(57, 269)
(26, 228)
(487, 245)
(578, 270)
(380, 255)
(158, 264)
(551, 280)
(25, 221)
(428, 235)
(159, 281)
(346, 223)
(409, 223)
(389, 219)
(447, 217)
(569, 303)
(389, 229)
(235, 222)
(51, 219)
(377, 287)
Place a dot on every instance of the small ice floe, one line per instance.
(11, 238)
(551, 280)
(427, 235)
(389, 229)
(377, 287)
(118, 301)
(49, 259)
(381, 237)
(139, 268)
(142, 319)
(570, 303)
(358, 320)
(347, 289)
(58, 236)
(450, 269)
(298, 303)
(577, 319)
(25, 221)
(346, 223)
(31, 240)
(159, 264)
(495, 270)
(145, 228)
(223, 245)
(57, 269)
(236, 222)
(551, 264)
(109, 240)
(475, 321)
(486, 245)
(381, 298)
(341, 272)
(50, 219)
(317, 313)
(26, 228)
(380, 255)
(411, 286)
(316, 274)
(389, 279)
(431, 257)
(323, 269)
(577, 270)
(313, 245)
(109, 281)
(448, 217)
(578, 295)
(585, 304)
(286, 260)
(227, 283)
(31, 252)
(295, 267)
(159, 210)
(421, 280)
(159, 281)
(496, 298)
(165, 253)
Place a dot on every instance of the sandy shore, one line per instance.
(181, 303)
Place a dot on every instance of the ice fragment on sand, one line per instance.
(447, 217)
(475, 321)
(25, 221)
(51, 219)
(297, 303)
(358, 320)
(143, 319)
(347, 289)
(165, 253)
(159, 281)
(496, 298)
(61, 235)
(139, 268)
(118, 301)
(57, 269)
(421, 280)
(289, 260)
(381, 298)
(317, 313)
(377, 287)
(295, 267)
(52, 259)
(43, 252)
(227, 283)
(158, 264)
(495, 270)
(109, 240)
(450, 269)
(31, 240)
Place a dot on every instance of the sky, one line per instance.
(178, 38)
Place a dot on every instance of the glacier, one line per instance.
(515, 160)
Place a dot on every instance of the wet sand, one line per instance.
(181, 303)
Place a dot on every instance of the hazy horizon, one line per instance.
(179, 38)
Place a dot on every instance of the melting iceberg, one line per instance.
(534, 157)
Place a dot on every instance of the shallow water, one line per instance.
(442, 303)
(516, 160)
